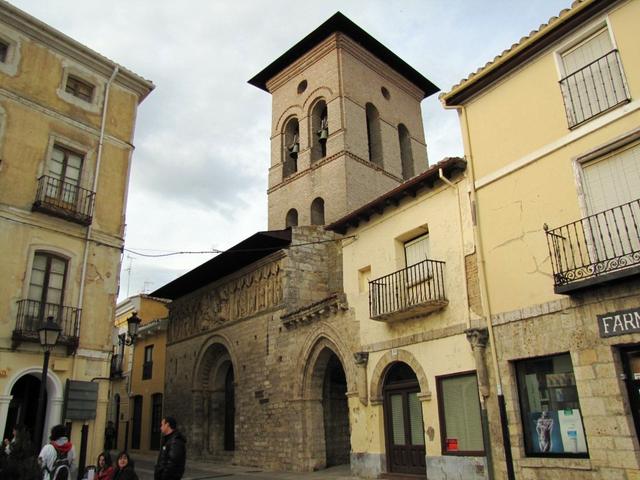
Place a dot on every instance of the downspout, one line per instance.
(484, 299)
(85, 259)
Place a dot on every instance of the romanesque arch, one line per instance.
(322, 386)
(214, 380)
(387, 360)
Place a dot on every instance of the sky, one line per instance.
(199, 173)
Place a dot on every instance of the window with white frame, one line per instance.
(592, 81)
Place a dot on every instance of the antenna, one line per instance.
(128, 270)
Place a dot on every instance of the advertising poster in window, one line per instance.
(557, 432)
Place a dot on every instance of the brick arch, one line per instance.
(322, 338)
(214, 351)
(320, 93)
(383, 365)
(290, 112)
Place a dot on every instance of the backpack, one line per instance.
(60, 469)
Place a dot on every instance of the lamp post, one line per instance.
(48, 333)
(133, 322)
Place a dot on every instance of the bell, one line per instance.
(323, 134)
(295, 148)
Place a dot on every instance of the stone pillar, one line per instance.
(4, 410)
(478, 337)
(361, 359)
(197, 437)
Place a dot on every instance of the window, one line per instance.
(79, 88)
(147, 366)
(317, 212)
(417, 250)
(291, 148)
(549, 406)
(406, 157)
(292, 218)
(593, 80)
(374, 139)
(460, 424)
(4, 51)
(46, 288)
(319, 130)
(64, 170)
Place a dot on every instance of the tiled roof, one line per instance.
(528, 45)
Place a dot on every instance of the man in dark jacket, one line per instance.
(173, 453)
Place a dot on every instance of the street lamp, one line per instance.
(133, 322)
(48, 333)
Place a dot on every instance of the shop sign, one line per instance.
(621, 322)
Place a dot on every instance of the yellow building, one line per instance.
(551, 134)
(137, 374)
(67, 118)
(406, 255)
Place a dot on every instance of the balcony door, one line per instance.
(611, 186)
(64, 167)
(404, 428)
(46, 289)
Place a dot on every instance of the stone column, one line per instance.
(478, 337)
(198, 418)
(361, 359)
(4, 410)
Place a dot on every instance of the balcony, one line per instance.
(64, 200)
(594, 89)
(32, 314)
(596, 249)
(413, 291)
(116, 366)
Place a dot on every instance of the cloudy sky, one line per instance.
(199, 175)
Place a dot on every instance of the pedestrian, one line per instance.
(20, 455)
(173, 453)
(109, 436)
(56, 457)
(125, 469)
(104, 467)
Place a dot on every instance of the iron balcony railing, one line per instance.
(594, 246)
(116, 365)
(63, 199)
(32, 314)
(595, 88)
(416, 285)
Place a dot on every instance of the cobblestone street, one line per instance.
(203, 471)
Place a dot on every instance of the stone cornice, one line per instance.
(330, 159)
(316, 311)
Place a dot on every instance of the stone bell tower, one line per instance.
(346, 124)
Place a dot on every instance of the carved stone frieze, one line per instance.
(315, 311)
(241, 297)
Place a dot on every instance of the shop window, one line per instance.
(460, 424)
(550, 408)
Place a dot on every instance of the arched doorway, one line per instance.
(215, 404)
(404, 428)
(23, 406)
(335, 414)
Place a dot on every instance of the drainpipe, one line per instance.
(484, 298)
(85, 259)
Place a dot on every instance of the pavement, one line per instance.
(206, 471)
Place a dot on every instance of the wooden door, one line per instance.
(137, 422)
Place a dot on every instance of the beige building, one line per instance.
(137, 374)
(67, 118)
(406, 255)
(551, 135)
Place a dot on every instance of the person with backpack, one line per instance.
(56, 457)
